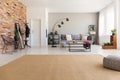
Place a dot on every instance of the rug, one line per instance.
(58, 67)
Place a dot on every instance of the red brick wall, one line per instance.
(11, 11)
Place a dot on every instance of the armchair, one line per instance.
(7, 42)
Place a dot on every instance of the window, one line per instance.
(101, 24)
(106, 20)
(109, 20)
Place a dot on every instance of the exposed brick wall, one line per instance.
(11, 11)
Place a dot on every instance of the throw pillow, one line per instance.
(63, 37)
(84, 38)
(89, 38)
(68, 37)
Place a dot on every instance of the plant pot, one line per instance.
(113, 33)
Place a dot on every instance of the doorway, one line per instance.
(35, 40)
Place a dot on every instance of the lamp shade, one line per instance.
(67, 19)
(59, 25)
(62, 22)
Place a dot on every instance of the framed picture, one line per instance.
(91, 28)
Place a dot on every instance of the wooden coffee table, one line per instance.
(77, 46)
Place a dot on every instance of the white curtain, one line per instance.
(106, 23)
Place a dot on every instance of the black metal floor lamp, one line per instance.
(58, 24)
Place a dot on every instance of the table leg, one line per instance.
(69, 47)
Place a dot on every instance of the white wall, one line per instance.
(78, 23)
(117, 20)
(39, 13)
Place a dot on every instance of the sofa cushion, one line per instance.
(76, 37)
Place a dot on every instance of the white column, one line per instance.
(46, 16)
(44, 27)
(39, 13)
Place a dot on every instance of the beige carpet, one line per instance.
(58, 67)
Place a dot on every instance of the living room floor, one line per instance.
(95, 49)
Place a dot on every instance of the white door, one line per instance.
(35, 32)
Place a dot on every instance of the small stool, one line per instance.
(112, 62)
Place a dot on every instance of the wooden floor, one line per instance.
(58, 67)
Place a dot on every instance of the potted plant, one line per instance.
(113, 31)
(107, 44)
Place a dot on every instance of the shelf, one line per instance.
(113, 40)
(109, 47)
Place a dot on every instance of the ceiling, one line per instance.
(69, 5)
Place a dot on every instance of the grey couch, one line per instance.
(75, 37)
